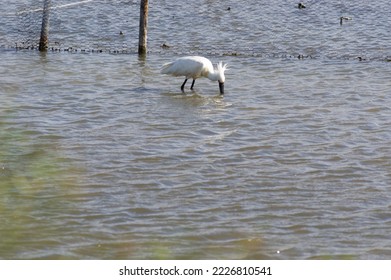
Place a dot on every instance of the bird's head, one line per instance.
(221, 68)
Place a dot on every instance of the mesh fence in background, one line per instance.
(258, 28)
(89, 25)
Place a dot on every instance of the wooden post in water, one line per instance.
(142, 39)
(44, 40)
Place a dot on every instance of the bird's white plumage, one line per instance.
(189, 66)
(196, 67)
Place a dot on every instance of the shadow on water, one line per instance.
(194, 103)
(194, 97)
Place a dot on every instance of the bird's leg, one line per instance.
(183, 85)
(192, 84)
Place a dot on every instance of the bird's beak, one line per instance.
(221, 86)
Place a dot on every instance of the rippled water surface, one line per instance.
(102, 157)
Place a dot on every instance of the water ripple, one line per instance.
(103, 157)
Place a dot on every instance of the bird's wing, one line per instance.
(166, 68)
(184, 67)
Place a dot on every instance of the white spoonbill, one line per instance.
(196, 67)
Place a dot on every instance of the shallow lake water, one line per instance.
(102, 157)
